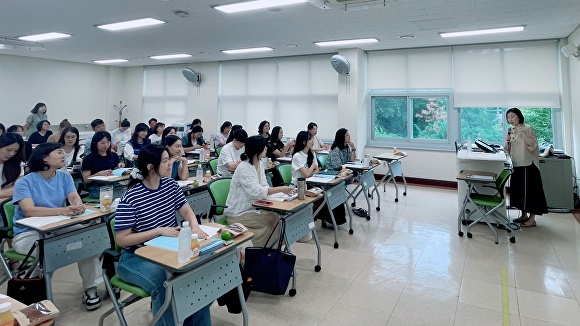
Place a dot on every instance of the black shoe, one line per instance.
(326, 225)
(91, 299)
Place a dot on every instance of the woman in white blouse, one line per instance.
(248, 185)
(69, 138)
(304, 164)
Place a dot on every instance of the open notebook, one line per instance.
(116, 173)
(280, 196)
(38, 222)
(171, 243)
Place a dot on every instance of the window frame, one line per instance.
(410, 142)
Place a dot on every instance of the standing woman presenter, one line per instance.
(526, 190)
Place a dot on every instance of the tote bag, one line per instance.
(270, 268)
(25, 289)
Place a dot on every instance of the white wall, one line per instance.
(79, 92)
(574, 75)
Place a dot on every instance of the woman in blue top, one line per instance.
(179, 169)
(44, 192)
(147, 210)
(138, 140)
(101, 161)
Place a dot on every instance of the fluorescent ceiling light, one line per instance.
(170, 56)
(248, 50)
(348, 42)
(131, 24)
(257, 4)
(43, 37)
(484, 31)
(110, 61)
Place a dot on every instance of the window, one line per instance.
(490, 125)
(414, 119)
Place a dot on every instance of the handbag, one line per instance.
(24, 288)
(231, 299)
(270, 268)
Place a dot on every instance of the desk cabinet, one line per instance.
(558, 182)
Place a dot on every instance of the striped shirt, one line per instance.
(142, 209)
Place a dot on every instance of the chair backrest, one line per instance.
(322, 158)
(501, 180)
(110, 221)
(218, 191)
(218, 150)
(213, 163)
(285, 171)
(7, 215)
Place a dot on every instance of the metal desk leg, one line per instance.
(395, 170)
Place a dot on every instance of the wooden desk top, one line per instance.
(476, 176)
(168, 258)
(72, 221)
(288, 206)
(17, 305)
(334, 181)
(111, 180)
(390, 156)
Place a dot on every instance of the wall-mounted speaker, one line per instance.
(570, 50)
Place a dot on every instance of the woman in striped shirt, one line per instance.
(147, 210)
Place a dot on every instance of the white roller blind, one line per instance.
(290, 92)
(410, 69)
(506, 75)
(308, 92)
(164, 93)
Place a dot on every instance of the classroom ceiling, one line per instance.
(290, 30)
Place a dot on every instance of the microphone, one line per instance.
(509, 131)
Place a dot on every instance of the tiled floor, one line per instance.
(406, 266)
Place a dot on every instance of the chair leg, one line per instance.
(116, 307)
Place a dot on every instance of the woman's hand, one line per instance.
(105, 173)
(285, 189)
(75, 209)
(121, 165)
(199, 231)
(169, 231)
(350, 144)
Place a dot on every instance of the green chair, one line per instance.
(113, 281)
(213, 163)
(487, 206)
(83, 191)
(218, 191)
(6, 234)
(285, 173)
(322, 158)
(218, 150)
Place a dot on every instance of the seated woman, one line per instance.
(168, 131)
(341, 151)
(42, 133)
(304, 164)
(248, 185)
(157, 134)
(138, 140)
(69, 138)
(264, 129)
(276, 148)
(11, 155)
(138, 221)
(232, 131)
(179, 169)
(18, 129)
(100, 162)
(44, 192)
(317, 144)
(193, 140)
(222, 137)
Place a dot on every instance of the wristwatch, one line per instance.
(353, 149)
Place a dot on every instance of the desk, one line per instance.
(118, 192)
(17, 305)
(71, 247)
(193, 285)
(366, 178)
(299, 220)
(335, 194)
(478, 161)
(198, 198)
(395, 170)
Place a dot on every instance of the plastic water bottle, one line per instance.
(201, 154)
(184, 253)
(199, 174)
(366, 160)
(469, 148)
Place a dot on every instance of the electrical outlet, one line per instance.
(384, 164)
